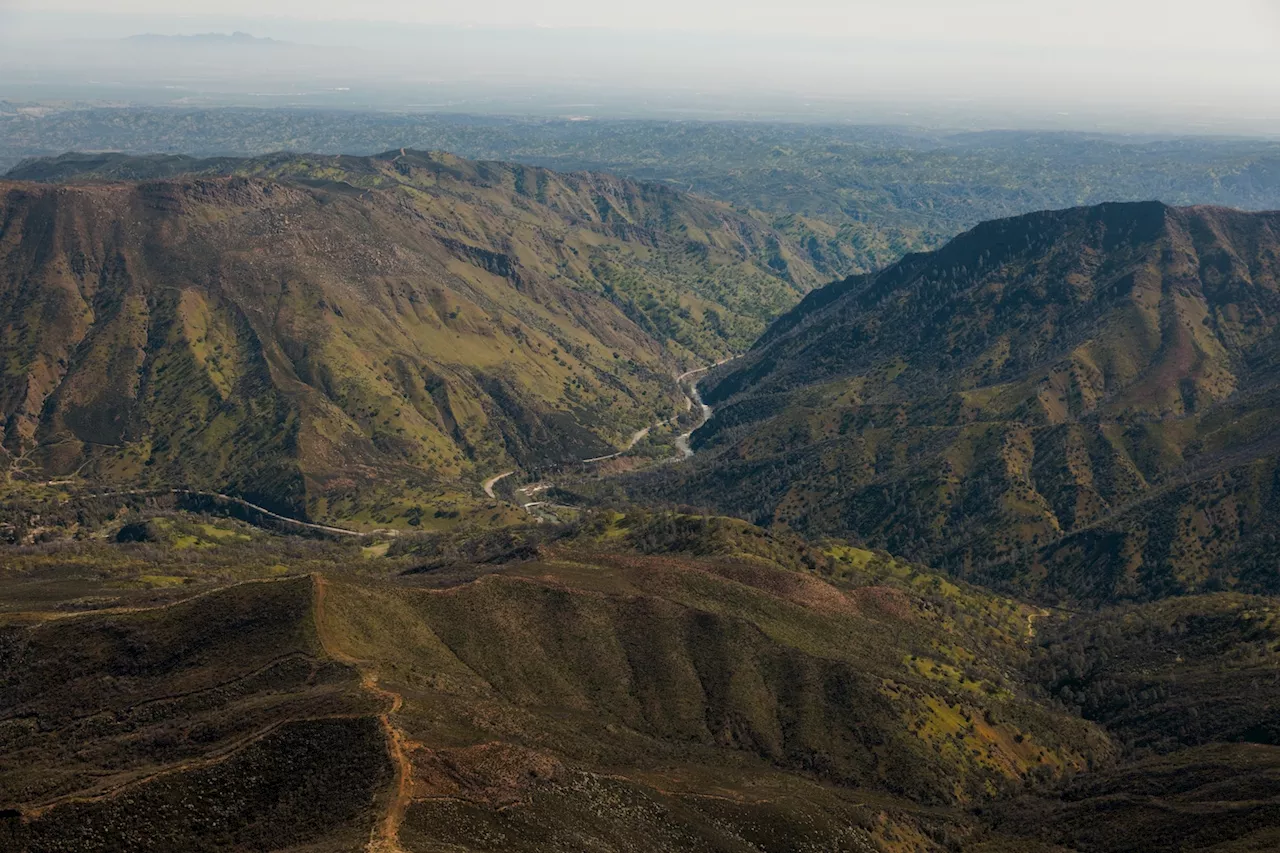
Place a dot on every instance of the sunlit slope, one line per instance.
(856, 197)
(593, 699)
(416, 321)
(558, 689)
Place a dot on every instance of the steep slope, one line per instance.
(573, 694)
(212, 724)
(1189, 685)
(1080, 403)
(857, 197)
(701, 256)
(359, 337)
(649, 682)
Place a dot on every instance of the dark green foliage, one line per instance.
(138, 531)
(1079, 405)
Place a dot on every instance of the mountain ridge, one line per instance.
(1037, 378)
(441, 317)
(644, 681)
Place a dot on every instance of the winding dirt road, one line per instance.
(493, 481)
(241, 502)
(683, 441)
(636, 437)
(692, 400)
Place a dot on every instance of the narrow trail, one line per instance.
(385, 836)
(220, 756)
(216, 757)
(48, 616)
(636, 437)
(700, 370)
(240, 502)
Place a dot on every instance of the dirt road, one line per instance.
(493, 481)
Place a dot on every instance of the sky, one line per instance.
(1215, 62)
(1191, 25)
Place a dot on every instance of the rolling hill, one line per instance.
(1080, 404)
(643, 682)
(1007, 583)
(653, 683)
(358, 338)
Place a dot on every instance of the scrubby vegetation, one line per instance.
(855, 198)
(1078, 405)
(359, 339)
(1014, 502)
(634, 680)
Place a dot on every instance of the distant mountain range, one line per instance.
(857, 198)
(236, 38)
(1081, 404)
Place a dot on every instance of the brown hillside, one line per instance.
(305, 328)
(1081, 403)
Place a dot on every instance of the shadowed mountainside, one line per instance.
(1078, 404)
(648, 682)
(214, 723)
(573, 694)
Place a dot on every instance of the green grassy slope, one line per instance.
(361, 338)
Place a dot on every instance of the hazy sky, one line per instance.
(1208, 61)
(1191, 25)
